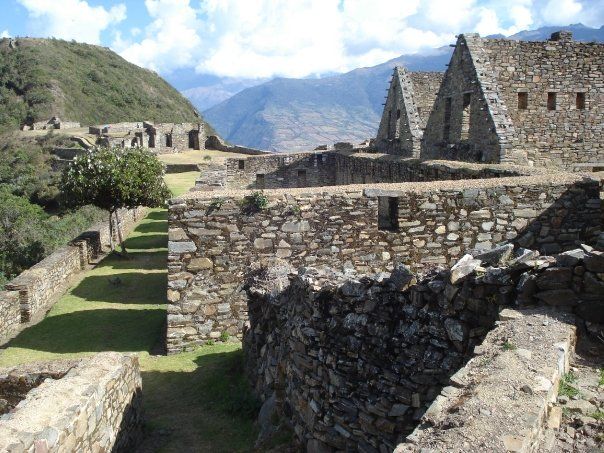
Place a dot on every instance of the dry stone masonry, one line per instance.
(30, 295)
(357, 361)
(88, 405)
(213, 243)
(506, 101)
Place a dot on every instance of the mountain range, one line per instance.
(287, 114)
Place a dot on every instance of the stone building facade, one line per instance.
(408, 104)
(505, 101)
(162, 138)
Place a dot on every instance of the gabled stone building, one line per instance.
(410, 98)
(505, 101)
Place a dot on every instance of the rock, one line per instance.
(592, 284)
(555, 278)
(581, 406)
(592, 310)
(261, 243)
(523, 256)
(495, 256)
(594, 262)
(295, 227)
(398, 410)
(456, 330)
(181, 247)
(402, 277)
(316, 446)
(464, 267)
(570, 258)
(554, 417)
(557, 297)
(198, 264)
(265, 418)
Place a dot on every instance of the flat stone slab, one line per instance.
(499, 401)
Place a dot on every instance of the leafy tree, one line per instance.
(112, 179)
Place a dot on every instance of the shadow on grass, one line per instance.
(148, 241)
(152, 227)
(123, 288)
(94, 331)
(158, 215)
(139, 260)
(209, 409)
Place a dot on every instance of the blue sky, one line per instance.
(266, 38)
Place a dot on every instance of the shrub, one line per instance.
(254, 203)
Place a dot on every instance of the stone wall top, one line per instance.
(415, 187)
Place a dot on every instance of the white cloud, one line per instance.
(266, 38)
(72, 19)
(5, 34)
(562, 11)
(170, 41)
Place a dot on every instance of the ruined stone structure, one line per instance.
(356, 360)
(408, 104)
(161, 138)
(506, 101)
(52, 123)
(89, 405)
(214, 241)
(28, 297)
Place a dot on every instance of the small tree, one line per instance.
(114, 179)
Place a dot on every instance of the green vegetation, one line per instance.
(113, 179)
(41, 78)
(254, 203)
(565, 387)
(194, 401)
(598, 415)
(33, 222)
(507, 346)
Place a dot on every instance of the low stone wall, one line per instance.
(213, 243)
(214, 142)
(95, 406)
(506, 389)
(39, 287)
(355, 362)
(330, 168)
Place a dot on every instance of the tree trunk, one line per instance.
(111, 244)
(119, 232)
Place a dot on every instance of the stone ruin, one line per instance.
(158, 137)
(92, 404)
(502, 101)
(53, 123)
(382, 295)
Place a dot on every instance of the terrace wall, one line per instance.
(39, 287)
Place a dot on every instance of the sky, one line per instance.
(291, 38)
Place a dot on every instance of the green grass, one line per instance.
(194, 401)
(179, 183)
(507, 346)
(566, 388)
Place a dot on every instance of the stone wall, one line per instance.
(354, 362)
(280, 170)
(161, 138)
(40, 286)
(329, 168)
(215, 142)
(408, 104)
(213, 244)
(520, 102)
(95, 406)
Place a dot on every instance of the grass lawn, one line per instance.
(195, 401)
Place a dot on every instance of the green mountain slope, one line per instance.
(41, 78)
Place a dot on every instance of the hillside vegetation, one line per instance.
(40, 78)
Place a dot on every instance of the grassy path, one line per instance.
(193, 402)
